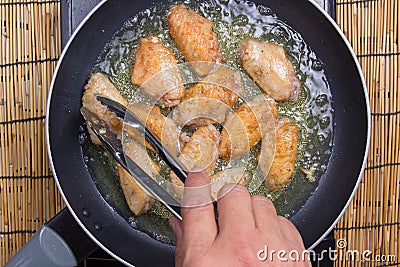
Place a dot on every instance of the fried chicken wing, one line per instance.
(269, 67)
(195, 38)
(164, 127)
(200, 151)
(139, 201)
(209, 100)
(245, 126)
(237, 175)
(156, 71)
(267, 152)
(99, 84)
(285, 156)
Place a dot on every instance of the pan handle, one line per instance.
(60, 242)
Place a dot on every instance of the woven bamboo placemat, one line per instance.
(372, 221)
(30, 46)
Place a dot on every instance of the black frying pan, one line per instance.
(110, 230)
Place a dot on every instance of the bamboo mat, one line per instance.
(372, 221)
(30, 46)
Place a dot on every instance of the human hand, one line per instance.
(247, 232)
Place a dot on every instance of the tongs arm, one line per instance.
(114, 146)
(132, 120)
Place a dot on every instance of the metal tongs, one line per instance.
(114, 146)
(132, 120)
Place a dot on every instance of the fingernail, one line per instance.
(197, 169)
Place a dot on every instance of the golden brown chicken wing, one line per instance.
(269, 67)
(200, 151)
(267, 152)
(153, 58)
(164, 127)
(285, 156)
(194, 37)
(245, 126)
(209, 100)
(139, 201)
(99, 84)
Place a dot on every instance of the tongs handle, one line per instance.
(132, 120)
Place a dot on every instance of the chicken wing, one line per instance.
(200, 151)
(282, 167)
(99, 84)
(139, 201)
(245, 126)
(156, 71)
(195, 38)
(164, 127)
(209, 100)
(237, 175)
(269, 67)
(267, 152)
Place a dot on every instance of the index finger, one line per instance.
(198, 220)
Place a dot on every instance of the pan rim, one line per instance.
(101, 245)
(48, 145)
(368, 111)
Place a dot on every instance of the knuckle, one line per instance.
(245, 252)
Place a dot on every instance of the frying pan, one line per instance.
(107, 228)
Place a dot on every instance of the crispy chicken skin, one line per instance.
(139, 201)
(285, 156)
(200, 151)
(267, 152)
(194, 37)
(269, 67)
(252, 120)
(164, 127)
(152, 58)
(99, 84)
(209, 100)
(237, 175)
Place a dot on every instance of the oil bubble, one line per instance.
(325, 122)
(241, 20)
(281, 34)
(249, 3)
(265, 11)
(317, 65)
(321, 100)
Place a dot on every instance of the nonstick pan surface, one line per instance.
(108, 228)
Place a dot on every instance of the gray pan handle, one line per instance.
(47, 249)
(61, 242)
